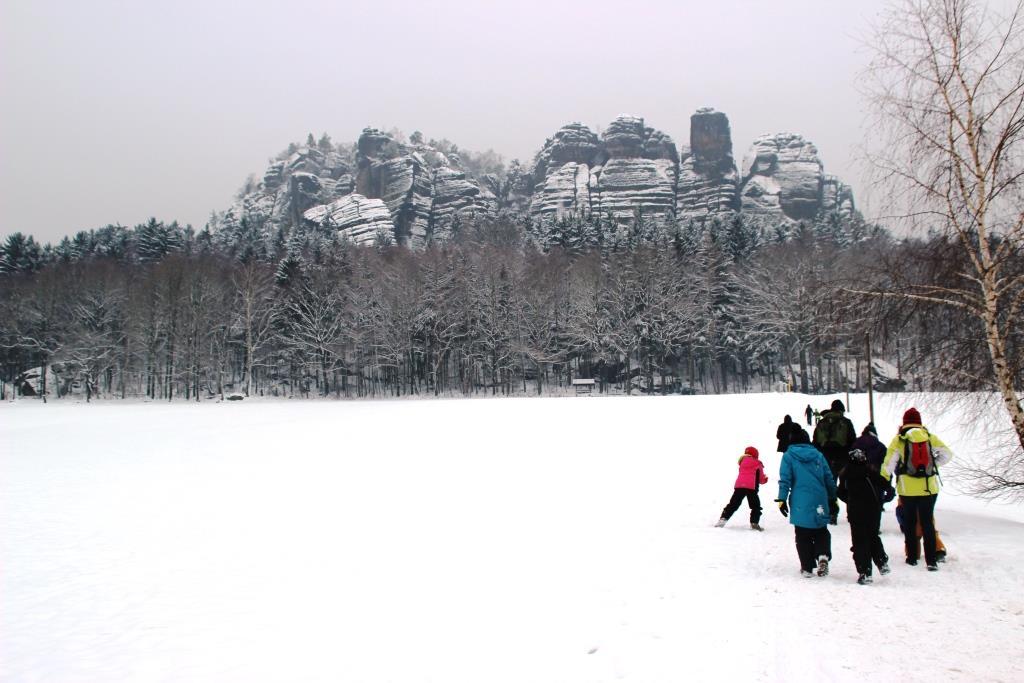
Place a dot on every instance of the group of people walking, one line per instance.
(837, 464)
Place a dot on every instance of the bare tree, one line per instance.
(947, 85)
(36, 322)
(316, 328)
(95, 314)
(253, 284)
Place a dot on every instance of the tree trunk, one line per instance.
(997, 351)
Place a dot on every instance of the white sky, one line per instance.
(114, 111)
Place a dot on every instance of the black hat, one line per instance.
(838, 405)
(870, 429)
(801, 436)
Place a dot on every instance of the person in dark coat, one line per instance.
(874, 451)
(863, 489)
(834, 436)
(806, 489)
(785, 433)
(872, 447)
(810, 414)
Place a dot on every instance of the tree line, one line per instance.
(724, 306)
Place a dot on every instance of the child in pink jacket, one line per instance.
(747, 483)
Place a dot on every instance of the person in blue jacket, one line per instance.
(807, 492)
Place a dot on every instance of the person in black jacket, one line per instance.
(809, 413)
(874, 450)
(872, 447)
(863, 490)
(785, 433)
(834, 436)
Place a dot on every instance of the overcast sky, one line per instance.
(113, 111)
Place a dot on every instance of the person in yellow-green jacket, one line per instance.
(914, 457)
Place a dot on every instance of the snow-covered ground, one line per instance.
(464, 540)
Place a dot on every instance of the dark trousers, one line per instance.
(919, 510)
(865, 525)
(812, 544)
(753, 500)
(836, 459)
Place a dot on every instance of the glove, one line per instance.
(888, 493)
(833, 508)
(783, 507)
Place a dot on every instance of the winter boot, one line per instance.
(756, 527)
(933, 567)
(884, 569)
(864, 579)
(940, 555)
(912, 563)
(822, 566)
(806, 573)
(721, 522)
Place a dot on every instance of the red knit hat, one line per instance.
(750, 450)
(912, 417)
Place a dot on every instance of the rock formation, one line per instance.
(355, 217)
(305, 178)
(425, 190)
(707, 174)
(782, 175)
(836, 196)
(633, 168)
(629, 170)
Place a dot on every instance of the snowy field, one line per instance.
(476, 541)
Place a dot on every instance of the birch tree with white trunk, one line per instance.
(946, 84)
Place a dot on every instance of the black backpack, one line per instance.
(831, 431)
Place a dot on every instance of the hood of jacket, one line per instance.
(865, 441)
(803, 452)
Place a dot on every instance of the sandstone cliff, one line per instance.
(707, 177)
(426, 190)
(633, 169)
(630, 170)
(782, 174)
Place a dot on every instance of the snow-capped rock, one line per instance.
(837, 196)
(574, 143)
(274, 175)
(707, 172)
(631, 168)
(404, 184)
(304, 193)
(355, 217)
(290, 186)
(453, 195)
(626, 187)
(624, 138)
(565, 190)
(419, 185)
(782, 174)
